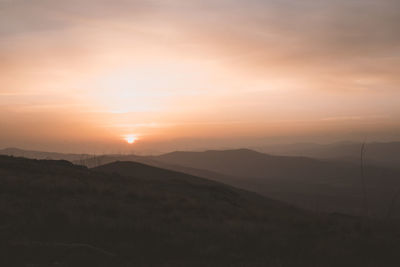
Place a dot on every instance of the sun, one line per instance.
(131, 138)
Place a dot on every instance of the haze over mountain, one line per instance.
(130, 214)
(16, 152)
(386, 154)
(83, 75)
(316, 184)
(199, 133)
(321, 185)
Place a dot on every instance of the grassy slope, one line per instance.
(128, 214)
(308, 183)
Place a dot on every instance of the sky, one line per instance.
(86, 76)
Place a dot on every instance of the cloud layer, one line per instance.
(198, 69)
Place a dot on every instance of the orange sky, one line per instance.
(82, 75)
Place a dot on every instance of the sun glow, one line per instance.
(130, 139)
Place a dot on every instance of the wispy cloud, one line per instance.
(222, 66)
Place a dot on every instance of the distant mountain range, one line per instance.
(384, 154)
(32, 154)
(314, 184)
(378, 153)
(55, 213)
(321, 185)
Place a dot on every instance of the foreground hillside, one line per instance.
(54, 213)
(318, 185)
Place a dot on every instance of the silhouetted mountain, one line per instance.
(242, 163)
(322, 185)
(314, 184)
(95, 161)
(378, 153)
(16, 152)
(191, 186)
(54, 213)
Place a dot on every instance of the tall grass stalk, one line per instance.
(363, 183)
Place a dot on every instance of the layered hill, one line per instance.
(322, 185)
(33, 154)
(384, 154)
(55, 213)
(316, 184)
